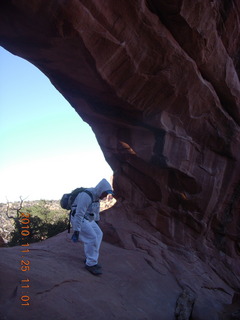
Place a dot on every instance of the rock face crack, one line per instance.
(217, 288)
(56, 286)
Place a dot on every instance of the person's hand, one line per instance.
(75, 236)
(109, 197)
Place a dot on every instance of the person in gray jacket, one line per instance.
(85, 223)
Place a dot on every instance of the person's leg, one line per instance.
(99, 234)
(91, 236)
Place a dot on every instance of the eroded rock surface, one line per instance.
(159, 83)
(135, 284)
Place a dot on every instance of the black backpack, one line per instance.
(68, 199)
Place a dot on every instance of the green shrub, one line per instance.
(44, 223)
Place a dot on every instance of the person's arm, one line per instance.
(83, 201)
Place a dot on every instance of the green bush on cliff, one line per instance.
(44, 222)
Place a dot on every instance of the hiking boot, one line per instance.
(99, 265)
(96, 270)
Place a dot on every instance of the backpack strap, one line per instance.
(69, 221)
(90, 194)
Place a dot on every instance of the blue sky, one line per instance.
(46, 148)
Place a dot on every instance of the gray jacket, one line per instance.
(85, 207)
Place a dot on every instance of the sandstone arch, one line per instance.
(159, 84)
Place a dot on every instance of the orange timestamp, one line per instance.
(24, 262)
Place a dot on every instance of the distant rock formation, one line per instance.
(158, 82)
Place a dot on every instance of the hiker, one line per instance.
(85, 222)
